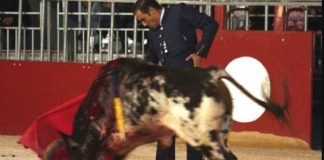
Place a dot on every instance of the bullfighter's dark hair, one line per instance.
(144, 5)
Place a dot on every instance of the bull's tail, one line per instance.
(277, 110)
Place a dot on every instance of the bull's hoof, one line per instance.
(56, 150)
(59, 150)
(230, 156)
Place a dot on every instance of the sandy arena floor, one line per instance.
(245, 145)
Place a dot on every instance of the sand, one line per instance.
(245, 145)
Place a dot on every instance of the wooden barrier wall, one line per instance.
(29, 89)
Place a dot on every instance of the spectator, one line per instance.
(238, 16)
(99, 21)
(11, 20)
(103, 21)
(295, 18)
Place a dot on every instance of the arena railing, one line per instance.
(65, 32)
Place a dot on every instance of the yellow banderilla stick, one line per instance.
(119, 116)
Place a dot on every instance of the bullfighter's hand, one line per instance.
(195, 59)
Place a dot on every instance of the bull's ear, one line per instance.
(141, 61)
(149, 62)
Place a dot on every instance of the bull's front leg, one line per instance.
(166, 148)
(92, 148)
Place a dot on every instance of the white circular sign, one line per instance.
(253, 76)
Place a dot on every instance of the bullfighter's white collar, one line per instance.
(162, 14)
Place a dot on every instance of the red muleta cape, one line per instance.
(49, 126)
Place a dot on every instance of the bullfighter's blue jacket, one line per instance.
(175, 39)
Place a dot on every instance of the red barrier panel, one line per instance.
(29, 89)
(287, 56)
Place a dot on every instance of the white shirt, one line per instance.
(161, 17)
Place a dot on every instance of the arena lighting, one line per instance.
(253, 76)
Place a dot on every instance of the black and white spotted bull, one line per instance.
(158, 103)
